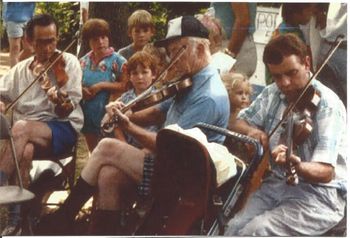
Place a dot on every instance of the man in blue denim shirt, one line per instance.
(115, 166)
(315, 204)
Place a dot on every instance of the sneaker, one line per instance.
(55, 223)
(12, 230)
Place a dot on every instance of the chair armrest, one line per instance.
(258, 149)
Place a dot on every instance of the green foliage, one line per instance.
(162, 12)
(67, 17)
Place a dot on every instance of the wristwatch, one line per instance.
(230, 53)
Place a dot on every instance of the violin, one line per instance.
(298, 127)
(167, 91)
(56, 62)
(148, 97)
(291, 174)
(55, 93)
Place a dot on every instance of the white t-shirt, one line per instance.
(223, 62)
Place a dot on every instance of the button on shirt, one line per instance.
(327, 142)
(206, 101)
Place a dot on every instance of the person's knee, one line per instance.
(107, 148)
(256, 227)
(235, 225)
(20, 129)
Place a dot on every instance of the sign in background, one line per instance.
(266, 21)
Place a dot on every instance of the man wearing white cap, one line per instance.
(115, 166)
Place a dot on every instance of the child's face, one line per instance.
(141, 78)
(305, 15)
(240, 96)
(99, 44)
(141, 36)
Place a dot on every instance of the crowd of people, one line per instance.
(96, 88)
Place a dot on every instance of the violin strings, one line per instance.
(38, 77)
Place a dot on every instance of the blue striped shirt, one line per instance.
(327, 142)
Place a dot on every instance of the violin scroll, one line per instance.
(305, 111)
(108, 124)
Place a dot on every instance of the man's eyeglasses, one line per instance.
(43, 42)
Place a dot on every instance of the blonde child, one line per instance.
(141, 30)
(240, 91)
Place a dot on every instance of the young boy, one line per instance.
(140, 29)
(142, 70)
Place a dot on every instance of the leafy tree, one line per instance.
(117, 13)
(65, 13)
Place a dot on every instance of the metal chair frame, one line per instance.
(12, 194)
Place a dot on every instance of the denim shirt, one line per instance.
(327, 142)
(206, 101)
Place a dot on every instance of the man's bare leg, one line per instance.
(15, 48)
(25, 132)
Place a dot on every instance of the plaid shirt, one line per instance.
(327, 142)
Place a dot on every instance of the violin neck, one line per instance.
(292, 177)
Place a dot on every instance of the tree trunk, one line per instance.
(116, 14)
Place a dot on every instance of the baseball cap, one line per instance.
(181, 27)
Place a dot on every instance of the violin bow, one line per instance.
(339, 40)
(178, 55)
(261, 168)
(49, 66)
(107, 122)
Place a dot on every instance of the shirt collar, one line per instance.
(108, 53)
(197, 79)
